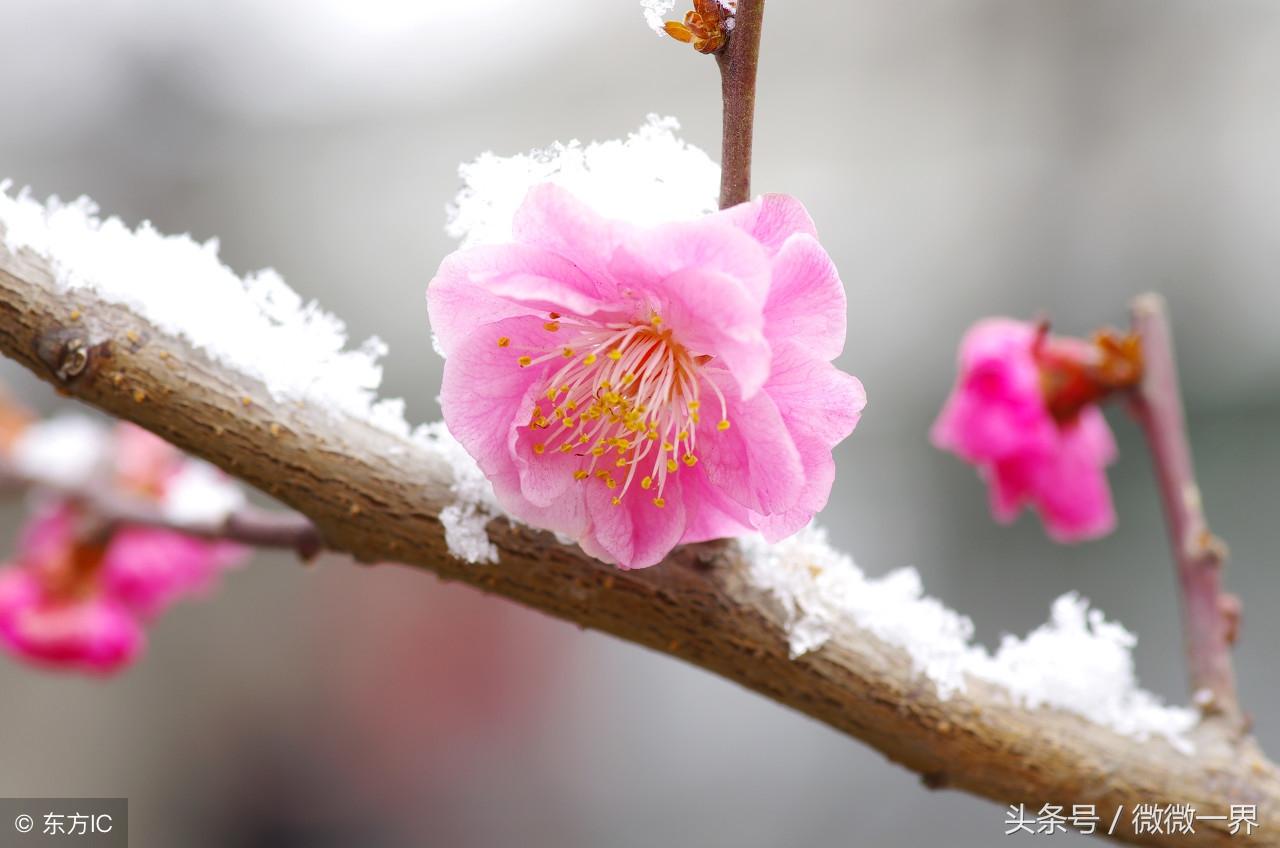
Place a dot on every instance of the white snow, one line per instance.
(655, 11)
(201, 494)
(1078, 662)
(68, 451)
(466, 518)
(649, 178)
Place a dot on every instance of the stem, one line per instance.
(738, 62)
(1209, 616)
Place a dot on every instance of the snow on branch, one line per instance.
(255, 325)
(134, 323)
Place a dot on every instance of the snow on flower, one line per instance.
(650, 177)
(77, 594)
(635, 388)
(1005, 416)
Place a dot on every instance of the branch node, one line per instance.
(69, 354)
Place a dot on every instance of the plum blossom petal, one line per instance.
(94, 634)
(79, 594)
(771, 219)
(148, 569)
(619, 384)
(821, 405)
(486, 284)
(998, 417)
(754, 461)
(807, 300)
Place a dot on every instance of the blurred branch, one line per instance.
(738, 62)
(258, 528)
(1210, 616)
(379, 498)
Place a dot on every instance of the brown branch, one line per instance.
(1210, 617)
(379, 498)
(739, 61)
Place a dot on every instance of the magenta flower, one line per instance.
(638, 388)
(78, 596)
(1012, 414)
(94, 633)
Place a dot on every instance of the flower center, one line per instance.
(626, 402)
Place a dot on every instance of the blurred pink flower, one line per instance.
(94, 633)
(76, 598)
(638, 388)
(1000, 417)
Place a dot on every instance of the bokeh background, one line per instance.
(962, 158)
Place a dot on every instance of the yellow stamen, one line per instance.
(551, 326)
(539, 448)
(723, 425)
(503, 341)
(671, 466)
(659, 502)
(525, 361)
(646, 482)
(690, 460)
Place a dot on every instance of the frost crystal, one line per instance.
(650, 178)
(1078, 661)
(656, 10)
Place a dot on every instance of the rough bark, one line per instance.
(378, 498)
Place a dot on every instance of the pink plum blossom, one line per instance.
(637, 388)
(1001, 417)
(77, 596)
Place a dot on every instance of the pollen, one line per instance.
(723, 425)
(504, 341)
(626, 395)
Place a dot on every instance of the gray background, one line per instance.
(962, 158)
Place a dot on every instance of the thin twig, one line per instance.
(1209, 616)
(738, 63)
(250, 526)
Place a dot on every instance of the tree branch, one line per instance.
(379, 498)
(738, 63)
(1210, 617)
